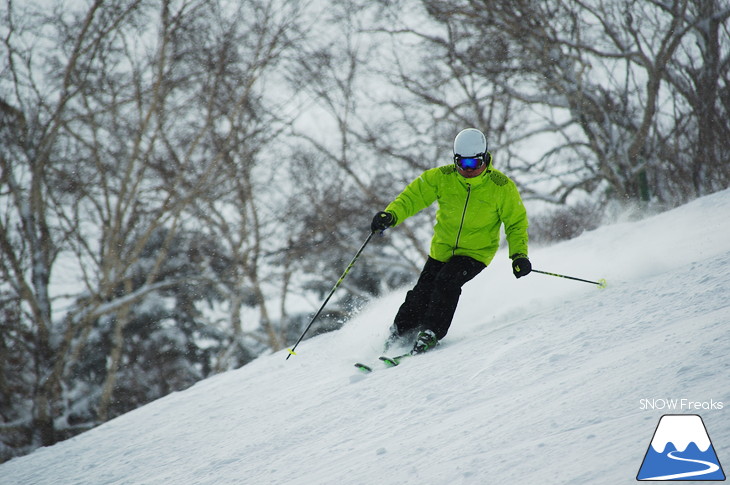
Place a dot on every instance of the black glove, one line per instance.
(382, 221)
(521, 266)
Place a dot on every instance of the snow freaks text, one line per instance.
(679, 405)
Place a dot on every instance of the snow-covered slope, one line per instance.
(541, 381)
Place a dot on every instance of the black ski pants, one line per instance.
(431, 304)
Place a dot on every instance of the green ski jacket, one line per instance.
(470, 212)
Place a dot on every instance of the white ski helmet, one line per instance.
(470, 143)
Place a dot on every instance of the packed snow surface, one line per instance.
(541, 380)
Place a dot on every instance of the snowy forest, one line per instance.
(183, 181)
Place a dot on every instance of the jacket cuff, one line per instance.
(394, 222)
(518, 255)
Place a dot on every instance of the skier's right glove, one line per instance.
(382, 221)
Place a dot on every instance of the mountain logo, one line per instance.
(680, 450)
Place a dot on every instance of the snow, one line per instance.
(541, 380)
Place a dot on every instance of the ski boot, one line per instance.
(426, 340)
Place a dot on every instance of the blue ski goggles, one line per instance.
(469, 163)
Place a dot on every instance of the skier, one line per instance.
(474, 200)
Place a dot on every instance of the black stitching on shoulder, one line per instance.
(447, 169)
(498, 178)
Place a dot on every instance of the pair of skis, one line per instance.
(388, 361)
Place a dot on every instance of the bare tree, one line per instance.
(586, 83)
(32, 235)
(347, 169)
(700, 82)
(144, 116)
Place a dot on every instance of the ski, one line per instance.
(388, 361)
(365, 368)
(393, 361)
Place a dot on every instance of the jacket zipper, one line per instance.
(463, 216)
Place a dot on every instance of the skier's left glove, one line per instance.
(521, 266)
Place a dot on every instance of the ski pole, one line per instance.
(601, 283)
(347, 270)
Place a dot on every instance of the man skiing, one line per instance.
(474, 200)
